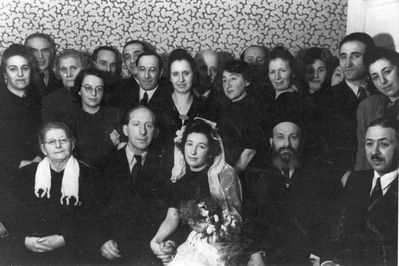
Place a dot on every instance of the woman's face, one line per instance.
(234, 86)
(316, 75)
(17, 73)
(56, 146)
(91, 91)
(337, 76)
(280, 74)
(181, 76)
(69, 69)
(385, 77)
(196, 150)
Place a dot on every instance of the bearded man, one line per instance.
(285, 203)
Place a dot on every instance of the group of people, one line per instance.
(269, 159)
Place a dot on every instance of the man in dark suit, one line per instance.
(134, 184)
(366, 232)
(285, 203)
(43, 49)
(341, 101)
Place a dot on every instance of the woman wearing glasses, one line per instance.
(40, 209)
(96, 127)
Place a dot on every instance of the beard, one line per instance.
(285, 158)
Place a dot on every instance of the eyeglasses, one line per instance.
(90, 89)
(53, 142)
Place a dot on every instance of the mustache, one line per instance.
(286, 149)
(376, 157)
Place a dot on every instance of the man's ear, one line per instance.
(124, 128)
(156, 132)
(271, 142)
(247, 83)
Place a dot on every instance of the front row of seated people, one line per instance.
(60, 211)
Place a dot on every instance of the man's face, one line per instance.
(42, 51)
(382, 149)
(351, 60)
(234, 86)
(130, 55)
(255, 56)
(148, 72)
(140, 130)
(211, 61)
(285, 142)
(106, 61)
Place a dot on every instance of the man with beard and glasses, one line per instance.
(285, 202)
(366, 229)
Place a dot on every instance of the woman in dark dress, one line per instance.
(19, 112)
(207, 175)
(43, 204)
(97, 128)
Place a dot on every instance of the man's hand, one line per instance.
(53, 242)
(109, 250)
(34, 245)
(163, 256)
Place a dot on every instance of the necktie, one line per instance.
(144, 100)
(41, 85)
(392, 110)
(136, 170)
(377, 191)
(361, 94)
(286, 174)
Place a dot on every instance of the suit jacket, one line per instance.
(285, 221)
(133, 211)
(370, 109)
(341, 105)
(366, 233)
(53, 84)
(58, 105)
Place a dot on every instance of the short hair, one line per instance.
(21, 50)
(106, 48)
(146, 46)
(55, 125)
(180, 55)
(126, 120)
(70, 53)
(358, 37)
(381, 53)
(386, 123)
(150, 53)
(43, 36)
(85, 72)
(237, 67)
(284, 54)
(200, 126)
(265, 50)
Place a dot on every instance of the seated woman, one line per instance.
(207, 176)
(42, 205)
(96, 127)
(19, 112)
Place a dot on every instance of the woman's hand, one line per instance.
(44, 244)
(256, 259)
(162, 255)
(109, 250)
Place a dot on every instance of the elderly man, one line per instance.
(42, 47)
(366, 232)
(134, 182)
(285, 202)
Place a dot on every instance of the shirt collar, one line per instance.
(149, 93)
(130, 154)
(385, 180)
(355, 88)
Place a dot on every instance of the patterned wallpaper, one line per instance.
(227, 25)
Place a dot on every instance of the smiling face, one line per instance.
(351, 60)
(69, 70)
(234, 86)
(382, 149)
(56, 146)
(130, 55)
(196, 151)
(148, 72)
(385, 77)
(140, 130)
(315, 75)
(181, 76)
(280, 74)
(91, 92)
(17, 73)
(42, 51)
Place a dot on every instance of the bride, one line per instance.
(199, 173)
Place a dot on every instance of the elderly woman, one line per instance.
(383, 67)
(200, 173)
(59, 104)
(44, 201)
(97, 127)
(19, 112)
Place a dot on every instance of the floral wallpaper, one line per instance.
(228, 25)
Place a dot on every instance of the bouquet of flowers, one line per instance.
(215, 236)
